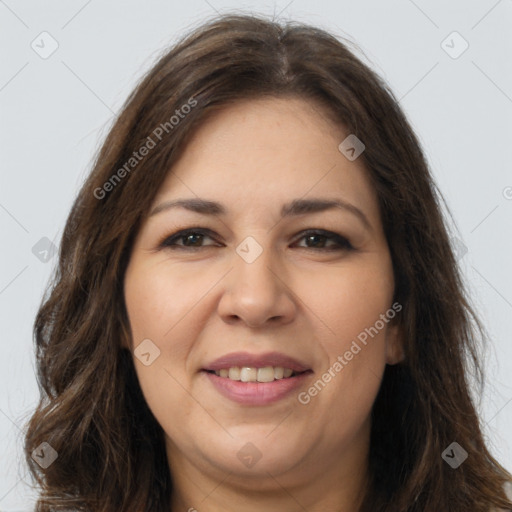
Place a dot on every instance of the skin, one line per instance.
(198, 304)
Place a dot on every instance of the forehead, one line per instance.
(261, 153)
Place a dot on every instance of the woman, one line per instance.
(257, 306)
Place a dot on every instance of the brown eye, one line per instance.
(315, 239)
(187, 239)
(318, 238)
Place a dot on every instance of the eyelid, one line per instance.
(343, 242)
(182, 232)
(330, 235)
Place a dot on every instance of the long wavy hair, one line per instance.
(111, 452)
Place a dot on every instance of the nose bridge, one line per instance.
(255, 291)
(254, 267)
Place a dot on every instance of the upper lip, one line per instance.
(245, 359)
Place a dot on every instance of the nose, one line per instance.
(257, 293)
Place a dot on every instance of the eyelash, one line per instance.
(343, 244)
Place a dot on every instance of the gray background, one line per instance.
(54, 113)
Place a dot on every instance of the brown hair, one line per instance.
(111, 453)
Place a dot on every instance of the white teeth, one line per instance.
(250, 374)
(278, 372)
(234, 373)
(265, 374)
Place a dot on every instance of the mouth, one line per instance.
(253, 379)
(254, 374)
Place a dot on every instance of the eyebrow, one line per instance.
(294, 208)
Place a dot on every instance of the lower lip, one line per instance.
(256, 393)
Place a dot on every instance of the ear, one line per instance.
(395, 352)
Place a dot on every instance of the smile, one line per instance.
(253, 374)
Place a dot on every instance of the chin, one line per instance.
(255, 452)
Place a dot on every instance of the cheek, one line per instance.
(157, 299)
(349, 300)
(351, 305)
(157, 312)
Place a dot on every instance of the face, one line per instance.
(266, 281)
